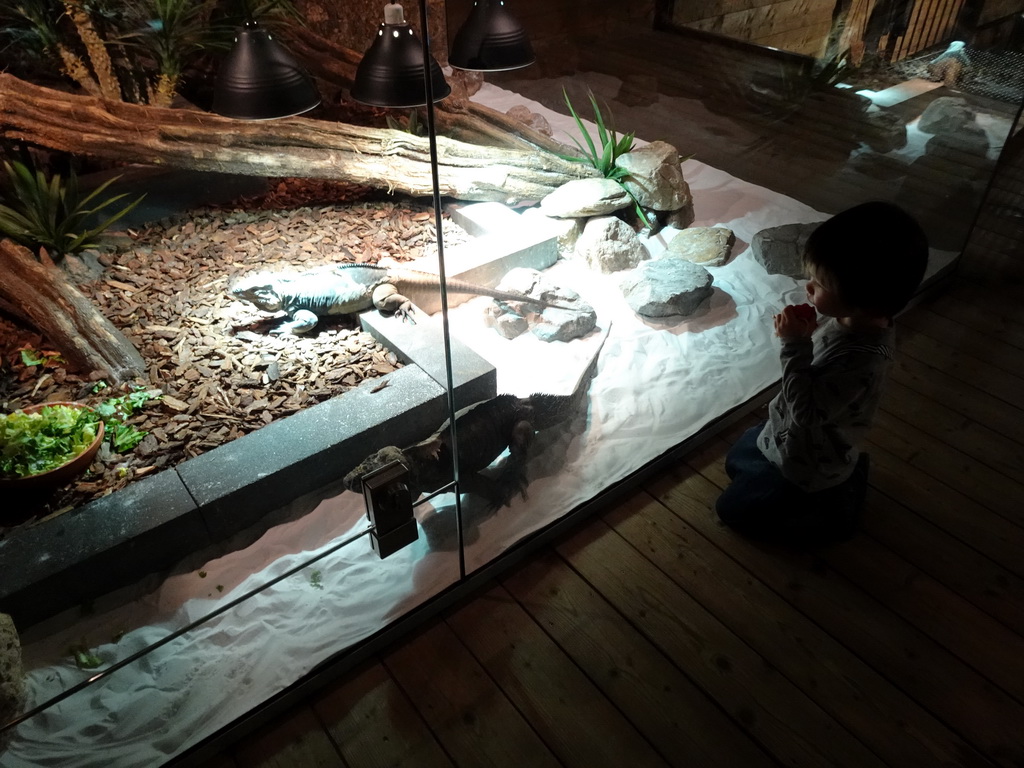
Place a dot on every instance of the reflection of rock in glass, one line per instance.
(484, 431)
(949, 65)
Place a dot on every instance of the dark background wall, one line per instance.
(550, 23)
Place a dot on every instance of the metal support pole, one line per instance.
(428, 87)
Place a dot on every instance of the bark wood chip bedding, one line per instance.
(221, 373)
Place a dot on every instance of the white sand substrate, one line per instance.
(656, 383)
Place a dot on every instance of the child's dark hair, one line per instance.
(873, 256)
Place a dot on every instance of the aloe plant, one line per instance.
(49, 212)
(603, 153)
(30, 26)
(609, 146)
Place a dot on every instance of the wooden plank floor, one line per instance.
(654, 636)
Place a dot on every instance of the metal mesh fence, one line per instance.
(996, 75)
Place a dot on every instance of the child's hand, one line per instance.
(796, 321)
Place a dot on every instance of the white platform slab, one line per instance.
(897, 94)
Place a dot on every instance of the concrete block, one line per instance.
(238, 483)
(479, 219)
(473, 377)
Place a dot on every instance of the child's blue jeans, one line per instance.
(761, 503)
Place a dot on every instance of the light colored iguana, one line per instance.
(343, 289)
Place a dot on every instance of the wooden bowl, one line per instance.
(67, 471)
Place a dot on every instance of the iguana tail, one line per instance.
(428, 280)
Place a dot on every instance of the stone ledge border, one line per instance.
(157, 522)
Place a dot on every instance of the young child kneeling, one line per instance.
(800, 476)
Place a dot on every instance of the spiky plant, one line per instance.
(32, 29)
(603, 153)
(47, 211)
(29, 26)
(170, 32)
(268, 11)
(411, 125)
(174, 32)
(96, 48)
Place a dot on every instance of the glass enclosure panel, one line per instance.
(780, 119)
(137, 682)
(619, 223)
(260, 350)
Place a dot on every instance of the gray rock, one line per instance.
(508, 324)
(878, 166)
(540, 124)
(565, 324)
(655, 176)
(608, 244)
(12, 675)
(953, 160)
(666, 287)
(681, 218)
(947, 114)
(780, 250)
(568, 230)
(512, 318)
(529, 282)
(639, 90)
(966, 145)
(585, 197)
(83, 267)
(884, 131)
(519, 112)
(707, 246)
(534, 120)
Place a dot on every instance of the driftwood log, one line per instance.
(41, 294)
(293, 147)
(483, 155)
(334, 67)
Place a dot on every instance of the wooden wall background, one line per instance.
(799, 26)
(803, 26)
(932, 23)
(550, 23)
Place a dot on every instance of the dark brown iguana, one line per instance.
(342, 289)
(484, 431)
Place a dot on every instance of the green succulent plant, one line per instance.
(171, 31)
(609, 146)
(603, 153)
(48, 211)
(29, 26)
